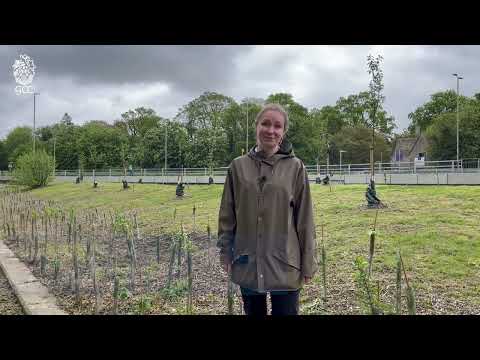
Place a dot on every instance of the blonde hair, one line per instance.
(273, 107)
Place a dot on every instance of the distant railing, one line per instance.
(444, 166)
(145, 172)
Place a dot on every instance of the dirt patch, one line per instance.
(9, 304)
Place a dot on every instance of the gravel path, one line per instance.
(9, 304)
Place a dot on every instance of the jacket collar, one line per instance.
(285, 151)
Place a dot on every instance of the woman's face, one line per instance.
(270, 130)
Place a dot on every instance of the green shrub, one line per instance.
(367, 293)
(176, 290)
(33, 169)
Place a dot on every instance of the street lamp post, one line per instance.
(458, 85)
(165, 166)
(34, 94)
(341, 151)
(246, 147)
(54, 161)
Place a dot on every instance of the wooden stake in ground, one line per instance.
(173, 250)
(179, 257)
(25, 240)
(56, 265)
(157, 241)
(14, 234)
(131, 257)
(209, 234)
(230, 293)
(8, 232)
(43, 256)
(136, 242)
(113, 258)
(75, 263)
(372, 245)
(410, 293)
(194, 219)
(21, 230)
(398, 292)
(35, 239)
(115, 294)
(189, 272)
(324, 272)
(88, 245)
(94, 275)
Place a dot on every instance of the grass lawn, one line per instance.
(436, 227)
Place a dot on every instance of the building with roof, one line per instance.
(410, 149)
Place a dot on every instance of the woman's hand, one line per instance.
(226, 267)
(226, 263)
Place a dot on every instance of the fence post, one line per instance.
(348, 169)
(65, 172)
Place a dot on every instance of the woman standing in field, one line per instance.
(266, 233)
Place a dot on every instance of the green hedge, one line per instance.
(33, 169)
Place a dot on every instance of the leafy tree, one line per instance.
(33, 169)
(440, 103)
(356, 142)
(3, 156)
(235, 125)
(66, 119)
(359, 109)
(442, 134)
(234, 131)
(204, 112)
(154, 142)
(66, 148)
(326, 122)
(205, 115)
(375, 101)
(18, 142)
(137, 122)
(99, 144)
(177, 146)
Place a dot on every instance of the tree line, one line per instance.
(213, 129)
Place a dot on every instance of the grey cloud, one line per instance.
(187, 68)
(101, 82)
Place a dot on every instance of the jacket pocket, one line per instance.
(292, 261)
(243, 270)
(241, 259)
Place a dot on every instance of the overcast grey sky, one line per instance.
(101, 82)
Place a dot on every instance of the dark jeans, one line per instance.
(283, 302)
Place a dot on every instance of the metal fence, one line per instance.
(445, 166)
(145, 172)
